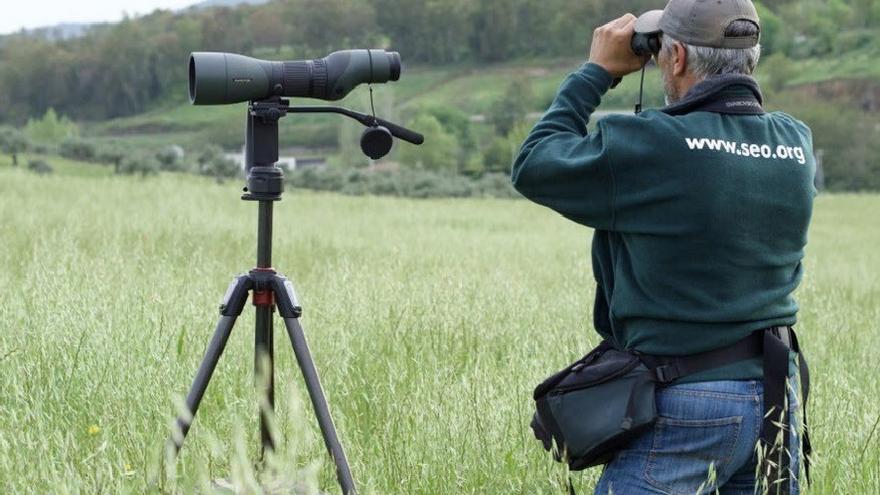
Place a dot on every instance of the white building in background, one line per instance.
(287, 163)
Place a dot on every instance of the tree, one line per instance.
(51, 129)
(13, 142)
(113, 154)
(413, 28)
(774, 39)
(777, 70)
(512, 108)
(328, 24)
(438, 151)
(498, 157)
(495, 29)
(268, 26)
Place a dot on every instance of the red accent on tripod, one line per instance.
(264, 298)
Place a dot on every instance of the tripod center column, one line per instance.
(264, 235)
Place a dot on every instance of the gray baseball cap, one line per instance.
(701, 22)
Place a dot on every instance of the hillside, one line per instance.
(472, 83)
(465, 88)
(472, 89)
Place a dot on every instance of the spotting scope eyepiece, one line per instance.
(221, 78)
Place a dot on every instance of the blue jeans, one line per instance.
(703, 427)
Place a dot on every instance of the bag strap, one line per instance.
(667, 369)
(807, 447)
(778, 342)
(775, 413)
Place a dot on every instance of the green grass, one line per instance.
(430, 322)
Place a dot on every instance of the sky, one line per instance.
(17, 14)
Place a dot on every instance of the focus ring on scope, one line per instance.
(304, 78)
(296, 78)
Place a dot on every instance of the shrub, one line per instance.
(496, 186)
(458, 125)
(138, 164)
(213, 163)
(77, 149)
(498, 156)
(40, 148)
(404, 183)
(13, 142)
(40, 166)
(170, 158)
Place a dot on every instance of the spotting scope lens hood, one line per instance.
(217, 78)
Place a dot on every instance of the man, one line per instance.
(700, 211)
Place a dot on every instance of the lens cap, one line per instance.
(376, 142)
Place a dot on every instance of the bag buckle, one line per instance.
(666, 373)
(782, 333)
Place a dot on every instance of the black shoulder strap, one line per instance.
(775, 413)
(667, 369)
(807, 447)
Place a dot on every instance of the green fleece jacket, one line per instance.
(700, 218)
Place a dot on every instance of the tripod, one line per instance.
(270, 289)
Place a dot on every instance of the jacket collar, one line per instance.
(723, 93)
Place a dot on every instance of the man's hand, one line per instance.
(611, 47)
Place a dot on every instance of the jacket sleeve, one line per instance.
(563, 167)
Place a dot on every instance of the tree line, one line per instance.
(128, 67)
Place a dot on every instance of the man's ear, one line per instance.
(679, 60)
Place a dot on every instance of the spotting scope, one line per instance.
(221, 78)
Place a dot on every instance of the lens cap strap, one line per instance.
(370, 86)
(373, 107)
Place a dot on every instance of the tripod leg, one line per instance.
(264, 373)
(319, 402)
(203, 376)
(230, 308)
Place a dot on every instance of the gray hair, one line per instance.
(704, 61)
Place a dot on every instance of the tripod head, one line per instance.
(265, 181)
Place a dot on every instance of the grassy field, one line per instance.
(430, 322)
